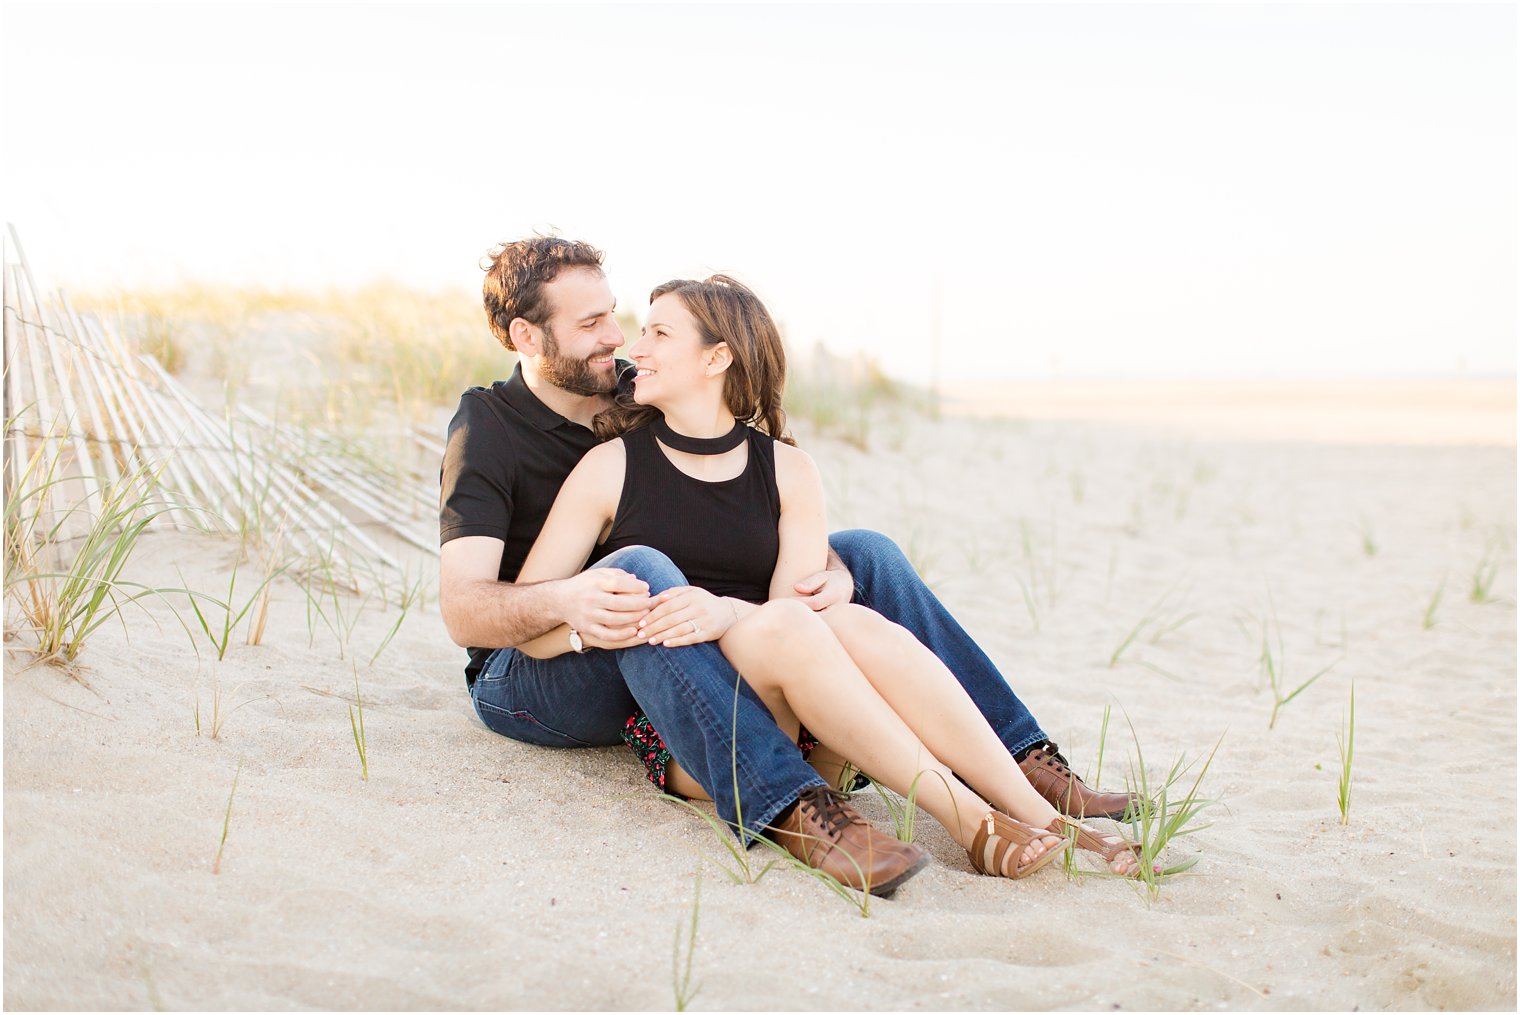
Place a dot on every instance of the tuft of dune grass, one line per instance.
(385, 348)
(410, 349)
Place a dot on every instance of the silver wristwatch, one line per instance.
(576, 644)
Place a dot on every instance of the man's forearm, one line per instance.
(497, 614)
(835, 564)
(553, 642)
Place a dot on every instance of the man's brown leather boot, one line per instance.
(1054, 780)
(826, 833)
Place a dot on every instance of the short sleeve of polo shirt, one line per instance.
(478, 471)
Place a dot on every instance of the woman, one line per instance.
(705, 472)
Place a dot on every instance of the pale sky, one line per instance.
(1231, 190)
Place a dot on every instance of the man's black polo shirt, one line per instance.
(507, 456)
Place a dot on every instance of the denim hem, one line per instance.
(1027, 742)
(747, 776)
(756, 827)
(740, 764)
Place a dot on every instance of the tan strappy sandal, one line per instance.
(998, 847)
(1093, 842)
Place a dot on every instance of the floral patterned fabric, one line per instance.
(645, 741)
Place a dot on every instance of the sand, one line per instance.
(473, 872)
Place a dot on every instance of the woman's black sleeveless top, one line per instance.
(721, 535)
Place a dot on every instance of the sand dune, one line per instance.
(473, 872)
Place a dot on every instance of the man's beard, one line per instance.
(576, 376)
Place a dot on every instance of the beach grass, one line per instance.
(738, 869)
(1039, 581)
(1127, 640)
(1346, 741)
(1069, 866)
(413, 592)
(1272, 664)
(159, 334)
(402, 347)
(848, 399)
(1429, 619)
(218, 718)
(216, 865)
(901, 811)
(386, 351)
(155, 1001)
(1069, 858)
(66, 595)
(356, 722)
(332, 595)
(259, 516)
(1482, 588)
(420, 347)
(1097, 776)
(1163, 618)
(1368, 537)
(31, 535)
(686, 943)
(225, 614)
(1162, 816)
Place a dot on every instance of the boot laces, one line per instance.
(831, 807)
(1054, 759)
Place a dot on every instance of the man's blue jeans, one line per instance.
(715, 726)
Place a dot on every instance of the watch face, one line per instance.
(575, 641)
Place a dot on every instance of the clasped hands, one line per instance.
(612, 609)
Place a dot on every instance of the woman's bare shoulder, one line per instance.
(794, 465)
(792, 455)
(602, 465)
(607, 452)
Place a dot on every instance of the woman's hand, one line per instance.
(593, 640)
(826, 588)
(685, 616)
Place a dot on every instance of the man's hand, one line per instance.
(605, 605)
(685, 616)
(826, 588)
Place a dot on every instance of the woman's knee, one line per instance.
(855, 622)
(646, 563)
(763, 644)
(782, 621)
(849, 615)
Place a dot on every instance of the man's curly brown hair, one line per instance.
(516, 274)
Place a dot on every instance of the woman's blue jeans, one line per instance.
(715, 726)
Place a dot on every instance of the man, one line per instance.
(510, 448)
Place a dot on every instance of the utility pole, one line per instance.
(936, 293)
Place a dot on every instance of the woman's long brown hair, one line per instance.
(725, 310)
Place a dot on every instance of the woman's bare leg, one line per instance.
(830, 764)
(936, 708)
(797, 666)
(921, 690)
(677, 781)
